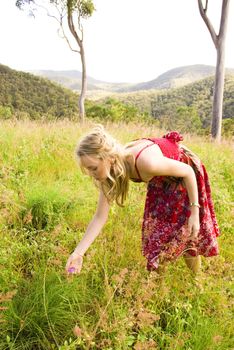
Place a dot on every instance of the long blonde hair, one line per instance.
(101, 145)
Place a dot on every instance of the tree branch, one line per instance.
(46, 10)
(210, 27)
(72, 27)
(65, 36)
(59, 20)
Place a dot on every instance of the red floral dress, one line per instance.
(165, 234)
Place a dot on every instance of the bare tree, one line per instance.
(219, 42)
(74, 11)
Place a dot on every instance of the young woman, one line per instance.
(179, 217)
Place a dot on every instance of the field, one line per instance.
(115, 303)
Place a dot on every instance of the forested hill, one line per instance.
(198, 95)
(25, 94)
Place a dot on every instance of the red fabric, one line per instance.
(165, 234)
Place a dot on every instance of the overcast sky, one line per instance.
(125, 40)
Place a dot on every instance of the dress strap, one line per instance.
(137, 156)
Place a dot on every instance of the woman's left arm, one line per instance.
(191, 186)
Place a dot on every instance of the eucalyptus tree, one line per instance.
(73, 12)
(219, 41)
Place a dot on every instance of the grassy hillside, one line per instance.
(46, 204)
(27, 95)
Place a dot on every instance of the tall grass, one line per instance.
(45, 206)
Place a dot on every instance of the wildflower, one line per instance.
(77, 331)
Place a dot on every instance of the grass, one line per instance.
(46, 204)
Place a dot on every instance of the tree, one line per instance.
(219, 42)
(74, 11)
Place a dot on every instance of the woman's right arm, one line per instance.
(75, 260)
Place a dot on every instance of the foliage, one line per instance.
(228, 127)
(163, 104)
(45, 206)
(186, 119)
(20, 3)
(85, 8)
(24, 93)
(5, 112)
(114, 111)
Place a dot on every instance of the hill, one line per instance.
(164, 103)
(176, 77)
(24, 95)
(72, 80)
(27, 94)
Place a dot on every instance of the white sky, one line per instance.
(125, 40)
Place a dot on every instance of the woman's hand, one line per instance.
(74, 263)
(194, 225)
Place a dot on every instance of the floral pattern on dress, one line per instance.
(165, 234)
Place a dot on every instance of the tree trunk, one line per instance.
(219, 42)
(219, 75)
(83, 86)
(218, 95)
(82, 55)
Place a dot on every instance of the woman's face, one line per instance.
(97, 168)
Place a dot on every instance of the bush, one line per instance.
(228, 127)
(44, 208)
(114, 111)
(186, 119)
(5, 112)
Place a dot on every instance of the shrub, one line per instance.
(114, 111)
(228, 127)
(44, 207)
(5, 112)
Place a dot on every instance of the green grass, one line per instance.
(45, 206)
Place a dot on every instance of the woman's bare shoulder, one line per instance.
(150, 157)
(136, 146)
(146, 155)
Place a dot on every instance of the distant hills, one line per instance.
(72, 79)
(176, 77)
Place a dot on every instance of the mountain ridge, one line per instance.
(176, 77)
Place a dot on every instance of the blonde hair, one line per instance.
(101, 145)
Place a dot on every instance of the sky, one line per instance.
(125, 40)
